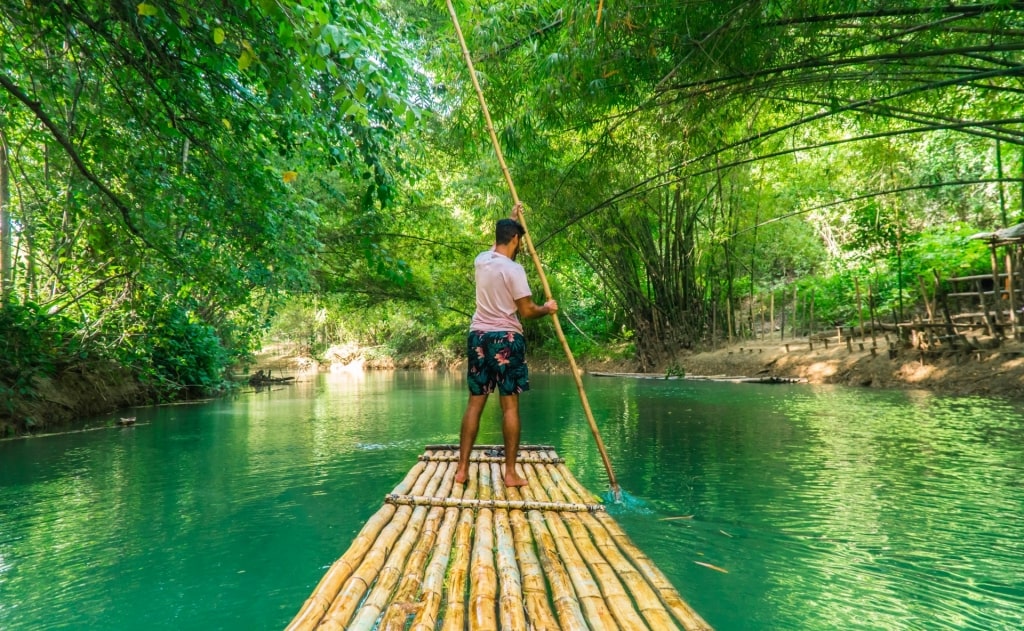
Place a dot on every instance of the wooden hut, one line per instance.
(986, 304)
(440, 555)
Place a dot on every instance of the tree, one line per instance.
(159, 150)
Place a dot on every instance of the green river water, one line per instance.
(830, 508)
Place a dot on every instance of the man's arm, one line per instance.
(529, 309)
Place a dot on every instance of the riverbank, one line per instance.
(862, 362)
(988, 372)
(76, 394)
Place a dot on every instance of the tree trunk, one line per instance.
(6, 262)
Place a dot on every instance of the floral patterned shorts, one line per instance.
(496, 359)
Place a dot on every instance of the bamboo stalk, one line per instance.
(644, 595)
(451, 502)
(534, 586)
(581, 491)
(566, 605)
(433, 583)
(476, 458)
(1011, 296)
(483, 583)
(399, 564)
(455, 447)
(434, 546)
(433, 578)
(683, 613)
(594, 607)
(455, 602)
(619, 603)
(352, 592)
(533, 253)
(329, 586)
(510, 596)
(632, 555)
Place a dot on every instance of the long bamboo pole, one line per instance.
(533, 253)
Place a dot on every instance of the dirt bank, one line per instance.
(993, 372)
(72, 395)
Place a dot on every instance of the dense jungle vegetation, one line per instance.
(178, 176)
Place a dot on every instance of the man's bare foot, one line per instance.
(515, 480)
(461, 476)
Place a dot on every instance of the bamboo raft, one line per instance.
(440, 555)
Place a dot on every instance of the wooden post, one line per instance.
(997, 293)
(771, 316)
(871, 312)
(728, 316)
(950, 330)
(796, 311)
(811, 330)
(782, 325)
(984, 308)
(924, 295)
(1011, 296)
(860, 310)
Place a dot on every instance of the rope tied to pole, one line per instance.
(517, 204)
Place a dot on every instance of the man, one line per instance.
(495, 348)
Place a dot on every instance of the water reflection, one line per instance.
(828, 508)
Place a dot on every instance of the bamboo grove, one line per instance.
(175, 168)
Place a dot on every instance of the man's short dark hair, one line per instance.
(506, 229)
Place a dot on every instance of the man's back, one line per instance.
(500, 281)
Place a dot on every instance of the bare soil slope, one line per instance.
(998, 371)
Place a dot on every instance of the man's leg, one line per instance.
(510, 430)
(467, 436)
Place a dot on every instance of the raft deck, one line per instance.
(440, 555)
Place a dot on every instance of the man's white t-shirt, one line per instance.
(500, 281)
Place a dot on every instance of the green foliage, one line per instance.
(178, 352)
(34, 344)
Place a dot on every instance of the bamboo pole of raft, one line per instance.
(655, 596)
(352, 592)
(645, 597)
(682, 611)
(455, 604)
(533, 254)
(510, 583)
(587, 590)
(572, 532)
(433, 582)
(535, 594)
(567, 606)
(417, 570)
(329, 586)
(483, 583)
(396, 567)
(493, 504)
